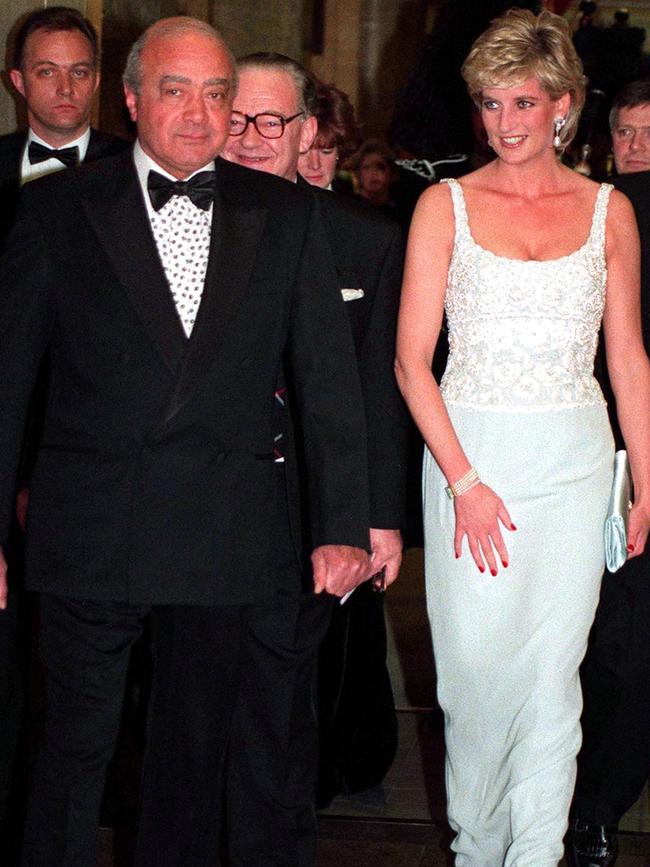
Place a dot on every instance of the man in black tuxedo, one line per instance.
(614, 760)
(273, 757)
(169, 299)
(55, 70)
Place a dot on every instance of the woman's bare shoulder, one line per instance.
(479, 179)
(621, 221)
(619, 204)
(435, 203)
(433, 223)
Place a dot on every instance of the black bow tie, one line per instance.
(38, 153)
(199, 188)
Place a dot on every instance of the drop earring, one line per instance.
(558, 123)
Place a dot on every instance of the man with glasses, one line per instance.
(267, 125)
(276, 124)
(273, 753)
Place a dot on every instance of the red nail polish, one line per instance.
(630, 548)
(481, 569)
(457, 556)
(512, 527)
(505, 564)
(493, 573)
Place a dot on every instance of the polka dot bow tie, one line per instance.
(199, 189)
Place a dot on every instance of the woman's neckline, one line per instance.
(454, 182)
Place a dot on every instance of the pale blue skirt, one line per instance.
(508, 649)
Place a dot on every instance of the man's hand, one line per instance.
(3, 580)
(339, 568)
(386, 546)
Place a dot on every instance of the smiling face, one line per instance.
(183, 106)
(519, 119)
(263, 90)
(58, 79)
(631, 139)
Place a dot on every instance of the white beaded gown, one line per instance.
(520, 391)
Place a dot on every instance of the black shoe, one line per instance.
(591, 845)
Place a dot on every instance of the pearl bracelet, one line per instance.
(463, 484)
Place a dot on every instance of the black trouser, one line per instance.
(196, 680)
(84, 648)
(273, 758)
(614, 761)
(12, 674)
(274, 752)
(356, 710)
(14, 623)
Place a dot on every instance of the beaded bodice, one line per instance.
(523, 334)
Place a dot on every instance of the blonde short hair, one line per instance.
(522, 45)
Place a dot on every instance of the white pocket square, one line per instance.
(352, 294)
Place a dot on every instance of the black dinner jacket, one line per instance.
(154, 481)
(367, 250)
(636, 186)
(11, 155)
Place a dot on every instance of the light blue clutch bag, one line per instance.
(618, 513)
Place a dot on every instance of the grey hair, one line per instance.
(132, 76)
(303, 81)
(633, 94)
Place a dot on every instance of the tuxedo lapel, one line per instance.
(121, 224)
(237, 228)
(95, 147)
(103, 145)
(11, 154)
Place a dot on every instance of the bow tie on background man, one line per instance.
(38, 153)
(199, 189)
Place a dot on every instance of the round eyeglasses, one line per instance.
(267, 124)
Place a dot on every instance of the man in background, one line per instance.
(629, 122)
(55, 70)
(614, 761)
(273, 756)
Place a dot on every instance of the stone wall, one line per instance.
(368, 45)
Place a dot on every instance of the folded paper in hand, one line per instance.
(618, 514)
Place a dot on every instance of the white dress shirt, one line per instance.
(182, 234)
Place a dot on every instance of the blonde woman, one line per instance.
(526, 257)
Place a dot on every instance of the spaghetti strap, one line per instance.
(597, 234)
(460, 211)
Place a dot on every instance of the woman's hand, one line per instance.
(478, 513)
(637, 529)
